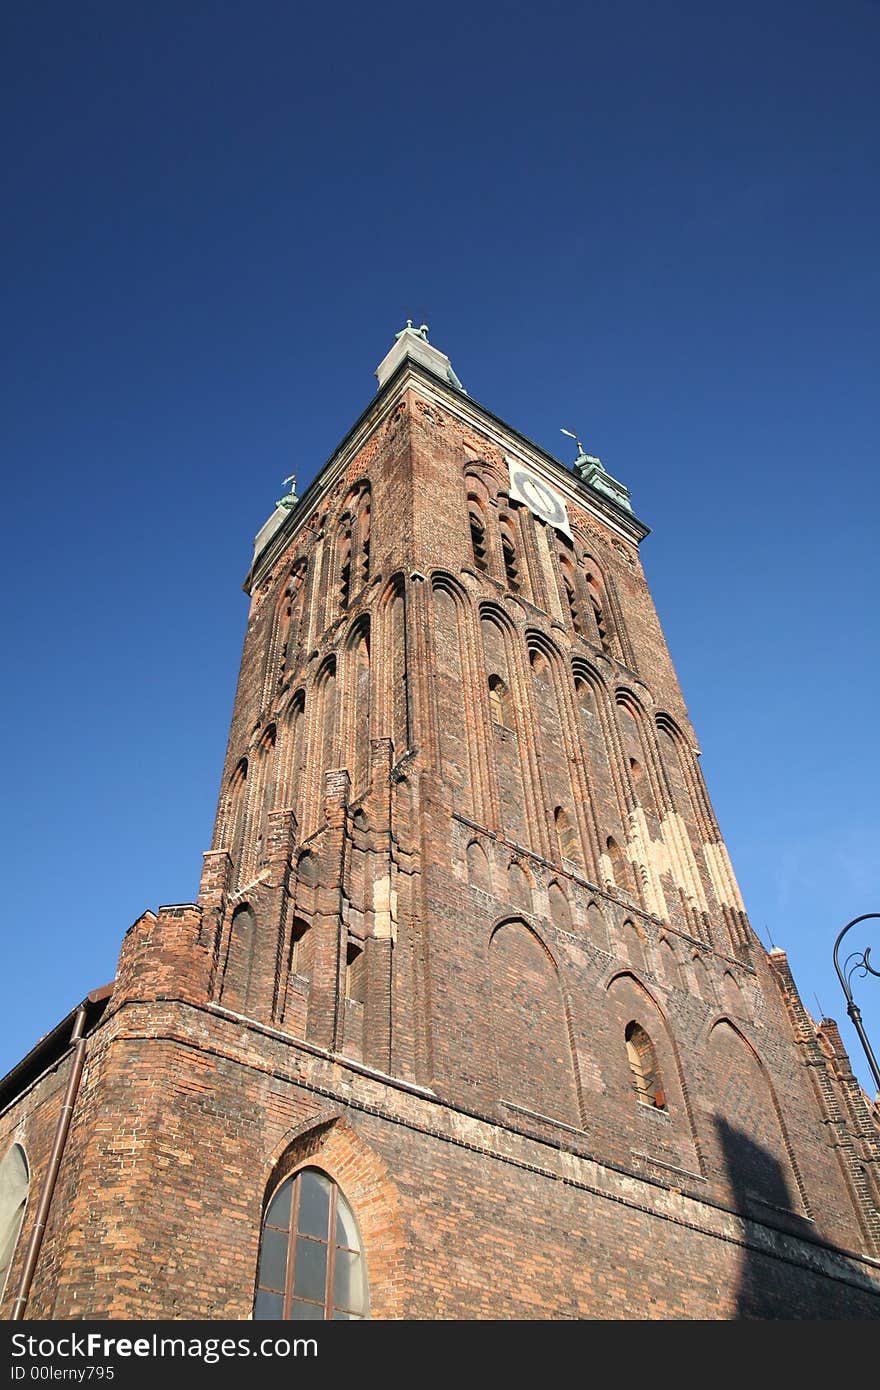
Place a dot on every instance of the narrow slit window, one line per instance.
(355, 973)
(644, 1068)
(301, 949)
(478, 541)
(511, 569)
(364, 510)
(572, 607)
(345, 571)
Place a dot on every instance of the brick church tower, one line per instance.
(468, 1020)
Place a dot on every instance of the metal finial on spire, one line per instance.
(290, 499)
(582, 453)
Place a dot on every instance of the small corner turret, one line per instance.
(413, 343)
(590, 471)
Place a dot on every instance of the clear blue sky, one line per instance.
(654, 224)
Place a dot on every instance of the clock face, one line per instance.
(541, 499)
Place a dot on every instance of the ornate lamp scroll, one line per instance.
(857, 963)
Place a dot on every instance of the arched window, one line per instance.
(325, 687)
(237, 983)
(262, 800)
(311, 1262)
(294, 751)
(236, 814)
(478, 534)
(539, 663)
(499, 702)
(13, 1200)
(644, 1068)
(356, 706)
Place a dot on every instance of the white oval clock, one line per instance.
(541, 499)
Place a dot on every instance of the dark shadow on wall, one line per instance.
(770, 1287)
(754, 1174)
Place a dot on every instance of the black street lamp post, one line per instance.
(857, 961)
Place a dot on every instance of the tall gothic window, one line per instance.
(599, 614)
(363, 528)
(311, 1262)
(235, 815)
(569, 584)
(360, 760)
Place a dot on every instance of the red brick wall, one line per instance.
(194, 1120)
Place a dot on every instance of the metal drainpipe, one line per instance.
(61, 1132)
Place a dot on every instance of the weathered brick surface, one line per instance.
(462, 846)
(195, 1118)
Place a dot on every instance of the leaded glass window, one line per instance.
(311, 1262)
